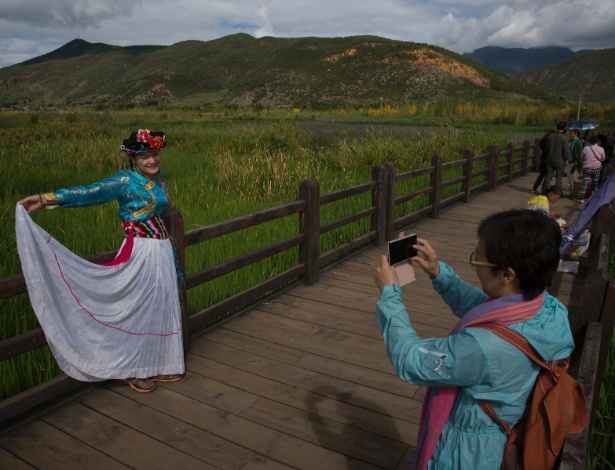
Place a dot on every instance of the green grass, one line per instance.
(602, 443)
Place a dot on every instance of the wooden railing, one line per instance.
(592, 325)
(449, 183)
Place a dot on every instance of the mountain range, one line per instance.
(586, 74)
(513, 61)
(243, 71)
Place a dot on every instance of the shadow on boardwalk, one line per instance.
(301, 381)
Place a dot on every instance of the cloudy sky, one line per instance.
(29, 28)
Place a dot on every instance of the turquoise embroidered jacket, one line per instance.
(139, 198)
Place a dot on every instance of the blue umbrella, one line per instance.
(582, 125)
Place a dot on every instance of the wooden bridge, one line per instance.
(301, 381)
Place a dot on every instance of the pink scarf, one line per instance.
(439, 402)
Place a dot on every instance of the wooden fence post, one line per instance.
(309, 224)
(175, 221)
(468, 169)
(525, 154)
(494, 160)
(510, 153)
(379, 201)
(436, 183)
(390, 200)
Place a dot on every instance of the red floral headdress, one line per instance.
(155, 142)
(142, 141)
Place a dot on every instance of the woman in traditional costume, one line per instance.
(515, 259)
(120, 320)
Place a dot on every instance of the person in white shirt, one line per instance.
(592, 156)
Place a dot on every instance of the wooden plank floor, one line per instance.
(301, 381)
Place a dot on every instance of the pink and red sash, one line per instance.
(150, 228)
(439, 401)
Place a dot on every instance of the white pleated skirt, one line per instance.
(104, 322)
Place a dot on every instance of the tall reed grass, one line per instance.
(216, 169)
(602, 444)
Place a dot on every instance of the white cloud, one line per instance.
(528, 23)
(264, 25)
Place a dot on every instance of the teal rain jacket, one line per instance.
(482, 364)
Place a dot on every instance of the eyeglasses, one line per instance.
(485, 264)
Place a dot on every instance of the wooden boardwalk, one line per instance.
(302, 381)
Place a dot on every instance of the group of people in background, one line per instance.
(580, 157)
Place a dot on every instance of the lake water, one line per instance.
(360, 130)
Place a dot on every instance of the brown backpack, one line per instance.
(557, 408)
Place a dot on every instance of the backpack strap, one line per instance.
(517, 340)
(490, 411)
(521, 343)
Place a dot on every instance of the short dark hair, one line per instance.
(561, 125)
(526, 241)
(555, 190)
